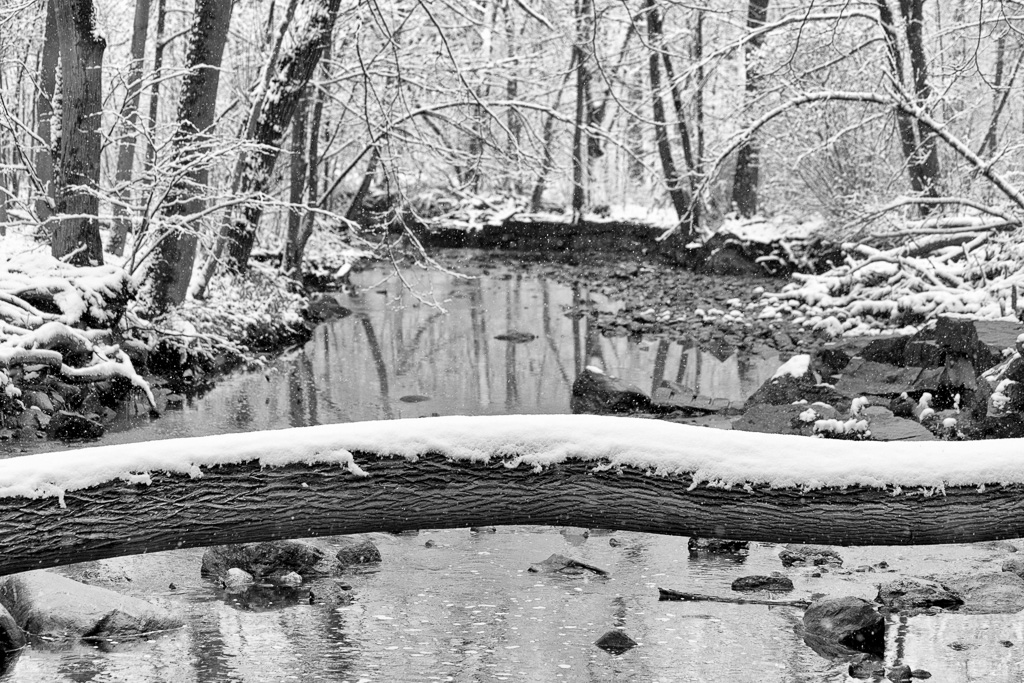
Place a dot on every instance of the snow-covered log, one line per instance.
(579, 470)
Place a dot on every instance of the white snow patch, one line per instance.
(796, 366)
(726, 458)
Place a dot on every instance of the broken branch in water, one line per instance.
(669, 594)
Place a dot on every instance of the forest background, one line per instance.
(192, 131)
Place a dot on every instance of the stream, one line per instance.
(465, 608)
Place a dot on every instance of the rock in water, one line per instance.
(776, 583)
(850, 622)
(616, 642)
(72, 426)
(912, 595)
(987, 593)
(516, 337)
(796, 554)
(54, 607)
(717, 545)
(236, 578)
(262, 559)
(594, 392)
(357, 551)
(563, 565)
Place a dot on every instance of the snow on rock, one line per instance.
(712, 457)
(796, 366)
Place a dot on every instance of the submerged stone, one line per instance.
(616, 642)
(561, 564)
(797, 554)
(357, 551)
(912, 595)
(847, 621)
(716, 545)
(776, 583)
(262, 559)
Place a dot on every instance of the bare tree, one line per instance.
(748, 162)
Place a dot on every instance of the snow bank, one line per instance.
(714, 457)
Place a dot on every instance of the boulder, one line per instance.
(878, 379)
(987, 593)
(597, 393)
(772, 419)
(616, 642)
(37, 399)
(787, 389)
(776, 583)
(68, 426)
(356, 550)
(886, 350)
(911, 595)
(262, 559)
(892, 428)
(717, 545)
(850, 622)
(866, 668)
(53, 607)
(800, 555)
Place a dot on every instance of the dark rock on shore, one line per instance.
(68, 426)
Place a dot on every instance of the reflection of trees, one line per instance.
(549, 336)
(512, 303)
(660, 359)
(481, 345)
(302, 393)
(407, 352)
(378, 361)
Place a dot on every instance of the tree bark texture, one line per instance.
(129, 123)
(294, 69)
(246, 503)
(581, 50)
(678, 195)
(748, 158)
(77, 231)
(296, 190)
(47, 76)
(919, 149)
(154, 90)
(170, 266)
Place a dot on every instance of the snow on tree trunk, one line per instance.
(293, 70)
(748, 159)
(77, 232)
(166, 277)
(129, 122)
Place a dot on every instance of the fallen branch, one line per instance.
(669, 594)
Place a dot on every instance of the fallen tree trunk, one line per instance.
(62, 508)
(682, 596)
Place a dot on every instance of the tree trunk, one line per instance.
(355, 212)
(675, 186)
(548, 137)
(684, 136)
(47, 80)
(298, 169)
(154, 90)
(77, 232)
(129, 122)
(698, 95)
(748, 159)
(584, 28)
(294, 69)
(166, 278)
(249, 502)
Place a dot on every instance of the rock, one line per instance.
(616, 641)
(987, 593)
(356, 550)
(235, 578)
(516, 337)
(12, 636)
(614, 542)
(772, 419)
(717, 545)
(912, 595)
(414, 398)
(923, 353)
(847, 621)
(887, 350)
(290, 579)
(787, 389)
(597, 393)
(920, 673)
(1014, 565)
(68, 426)
(878, 379)
(866, 668)
(37, 399)
(797, 554)
(776, 583)
(561, 564)
(53, 607)
(262, 559)
(959, 375)
(325, 308)
(483, 530)
(829, 360)
(892, 428)
(899, 674)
